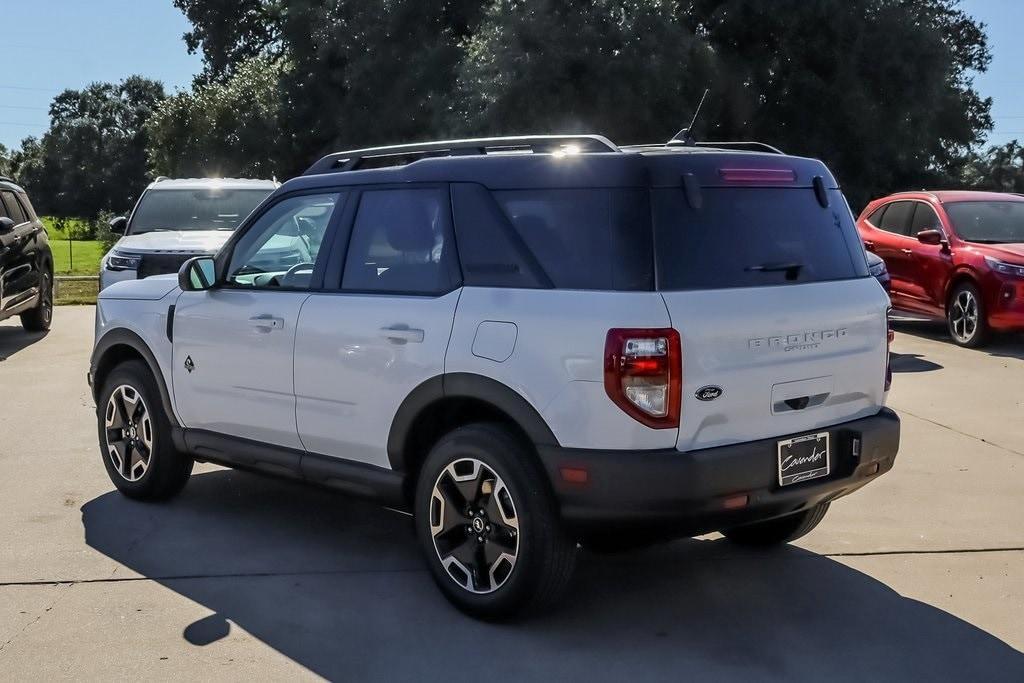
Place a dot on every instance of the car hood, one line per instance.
(181, 241)
(1014, 253)
(151, 288)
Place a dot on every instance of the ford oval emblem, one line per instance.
(708, 393)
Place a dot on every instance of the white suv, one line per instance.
(530, 343)
(175, 220)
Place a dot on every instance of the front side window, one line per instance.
(401, 243)
(206, 209)
(995, 222)
(281, 249)
(924, 219)
(14, 210)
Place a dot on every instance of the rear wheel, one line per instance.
(965, 317)
(778, 531)
(489, 526)
(38, 319)
(135, 436)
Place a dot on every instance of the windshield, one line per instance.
(213, 209)
(995, 222)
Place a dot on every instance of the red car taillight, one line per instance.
(889, 336)
(643, 374)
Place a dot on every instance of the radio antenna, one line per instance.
(685, 135)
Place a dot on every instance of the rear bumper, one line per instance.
(700, 491)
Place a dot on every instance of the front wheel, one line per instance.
(965, 317)
(778, 531)
(489, 526)
(135, 436)
(38, 319)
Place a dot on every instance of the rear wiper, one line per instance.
(792, 270)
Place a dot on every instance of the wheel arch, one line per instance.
(959, 277)
(121, 345)
(445, 402)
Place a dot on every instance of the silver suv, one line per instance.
(529, 343)
(175, 220)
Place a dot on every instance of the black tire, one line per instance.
(545, 555)
(166, 470)
(39, 318)
(777, 531)
(959, 324)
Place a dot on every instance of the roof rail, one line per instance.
(161, 178)
(927, 192)
(6, 179)
(380, 156)
(739, 145)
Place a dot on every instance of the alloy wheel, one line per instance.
(963, 316)
(474, 526)
(129, 432)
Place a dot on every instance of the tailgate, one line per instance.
(787, 359)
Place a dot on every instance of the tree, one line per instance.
(6, 161)
(631, 70)
(231, 32)
(999, 169)
(93, 156)
(228, 128)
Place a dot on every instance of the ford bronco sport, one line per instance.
(26, 263)
(530, 343)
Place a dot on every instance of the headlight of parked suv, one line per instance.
(1004, 268)
(119, 260)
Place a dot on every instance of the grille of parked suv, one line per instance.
(160, 264)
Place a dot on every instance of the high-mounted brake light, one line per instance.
(643, 374)
(757, 175)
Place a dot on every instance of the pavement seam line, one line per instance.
(983, 440)
(330, 572)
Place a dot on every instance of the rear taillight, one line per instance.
(889, 336)
(643, 374)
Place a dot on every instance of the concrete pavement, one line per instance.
(919, 575)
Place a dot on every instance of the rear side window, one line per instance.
(401, 243)
(876, 216)
(585, 238)
(752, 237)
(897, 218)
(14, 210)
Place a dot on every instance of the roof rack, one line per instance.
(396, 155)
(6, 179)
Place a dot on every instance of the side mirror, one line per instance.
(118, 225)
(197, 274)
(933, 237)
(6, 225)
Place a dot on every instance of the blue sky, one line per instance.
(61, 44)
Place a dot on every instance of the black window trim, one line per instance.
(335, 266)
(223, 258)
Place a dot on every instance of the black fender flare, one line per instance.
(124, 337)
(464, 385)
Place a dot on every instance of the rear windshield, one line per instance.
(194, 209)
(752, 237)
(988, 222)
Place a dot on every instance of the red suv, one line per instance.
(957, 256)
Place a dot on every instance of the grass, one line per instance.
(76, 257)
(76, 292)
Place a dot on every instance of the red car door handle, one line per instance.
(869, 245)
(907, 251)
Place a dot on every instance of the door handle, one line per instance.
(869, 245)
(402, 335)
(907, 251)
(266, 322)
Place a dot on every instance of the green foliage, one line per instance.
(999, 169)
(76, 257)
(6, 161)
(227, 128)
(93, 156)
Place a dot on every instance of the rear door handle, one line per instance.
(402, 335)
(870, 246)
(907, 251)
(266, 322)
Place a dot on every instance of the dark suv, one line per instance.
(26, 264)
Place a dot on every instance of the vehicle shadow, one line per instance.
(911, 362)
(338, 586)
(14, 338)
(1000, 345)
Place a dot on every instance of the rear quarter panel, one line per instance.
(557, 358)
